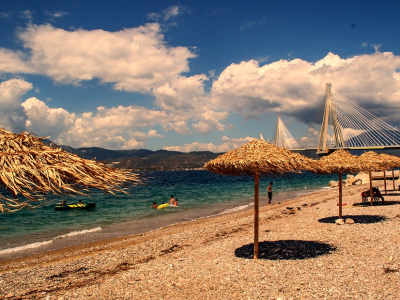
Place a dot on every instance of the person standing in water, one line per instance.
(270, 192)
(171, 200)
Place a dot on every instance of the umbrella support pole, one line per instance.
(394, 188)
(384, 180)
(340, 194)
(370, 188)
(256, 206)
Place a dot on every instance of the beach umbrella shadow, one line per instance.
(377, 203)
(285, 250)
(394, 194)
(359, 219)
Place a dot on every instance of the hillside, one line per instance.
(164, 160)
(143, 159)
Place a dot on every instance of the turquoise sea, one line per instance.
(200, 194)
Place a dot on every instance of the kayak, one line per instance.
(75, 206)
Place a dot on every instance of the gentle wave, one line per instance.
(44, 243)
(300, 193)
(25, 247)
(73, 233)
(235, 209)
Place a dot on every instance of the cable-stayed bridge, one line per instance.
(345, 125)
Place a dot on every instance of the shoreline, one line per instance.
(97, 234)
(197, 257)
(286, 200)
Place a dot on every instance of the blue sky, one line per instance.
(191, 75)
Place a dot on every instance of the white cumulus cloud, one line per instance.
(12, 116)
(45, 121)
(227, 145)
(133, 59)
(114, 128)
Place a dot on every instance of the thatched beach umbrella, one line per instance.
(377, 162)
(392, 163)
(341, 161)
(30, 169)
(259, 158)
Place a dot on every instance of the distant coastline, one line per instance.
(163, 160)
(143, 159)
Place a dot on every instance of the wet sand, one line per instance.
(303, 255)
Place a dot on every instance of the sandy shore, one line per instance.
(303, 255)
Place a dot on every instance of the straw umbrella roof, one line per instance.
(30, 169)
(379, 162)
(390, 160)
(342, 161)
(262, 157)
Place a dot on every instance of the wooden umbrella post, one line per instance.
(340, 194)
(384, 180)
(256, 205)
(370, 188)
(394, 188)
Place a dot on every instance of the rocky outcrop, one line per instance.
(363, 177)
(351, 180)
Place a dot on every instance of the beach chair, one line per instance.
(376, 194)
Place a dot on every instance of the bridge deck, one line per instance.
(350, 148)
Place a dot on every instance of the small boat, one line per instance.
(75, 206)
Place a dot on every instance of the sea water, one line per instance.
(199, 193)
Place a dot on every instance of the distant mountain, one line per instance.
(143, 159)
(165, 160)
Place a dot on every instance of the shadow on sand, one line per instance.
(397, 193)
(287, 249)
(359, 219)
(376, 203)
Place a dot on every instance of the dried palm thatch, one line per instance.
(32, 170)
(259, 157)
(391, 161)
(379, 162)
(341, 161)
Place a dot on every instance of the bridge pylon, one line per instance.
(283, 137)
(330, 125)
(279, 140)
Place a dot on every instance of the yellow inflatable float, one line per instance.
(163, 206)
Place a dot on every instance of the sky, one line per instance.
(192, 75)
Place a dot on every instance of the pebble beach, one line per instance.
(303, 254)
